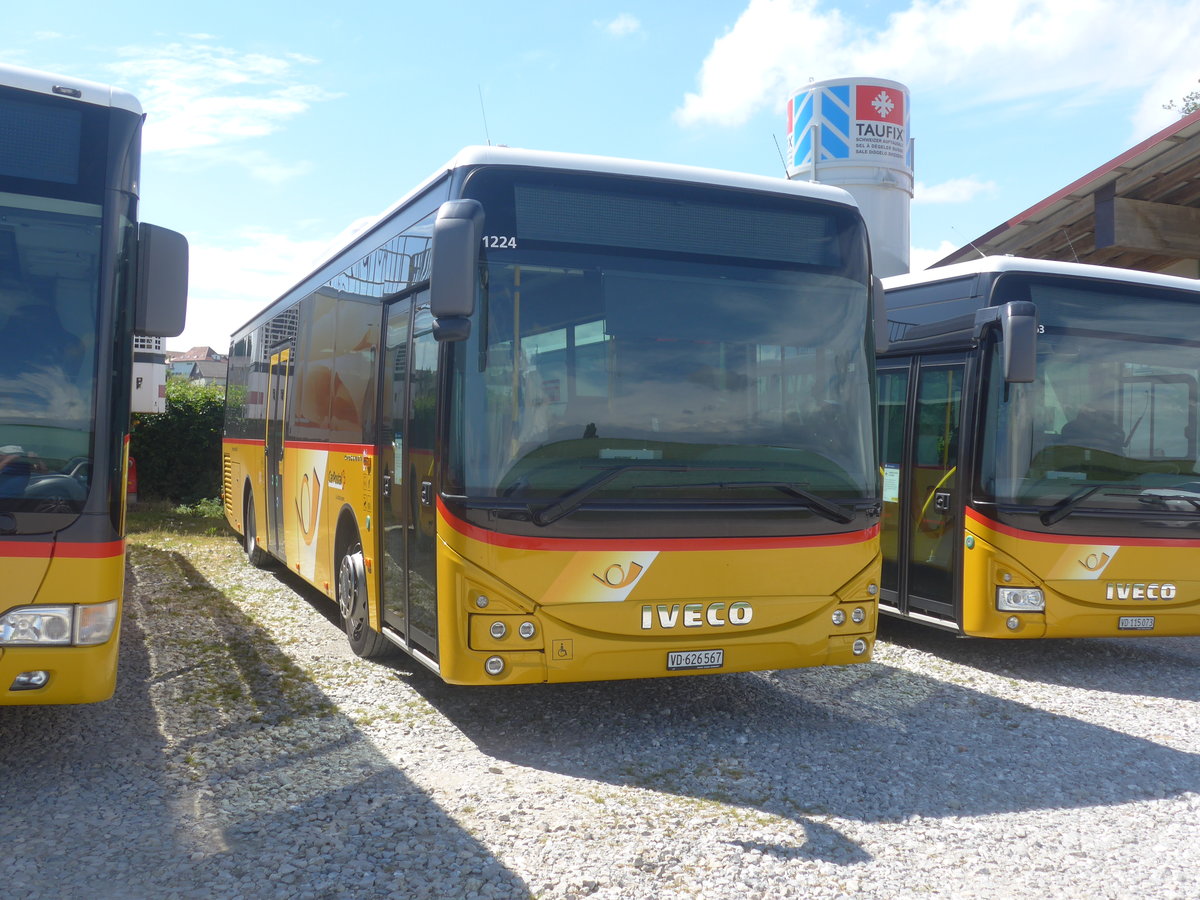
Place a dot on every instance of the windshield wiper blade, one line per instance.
(1069, 503)
(815, 502)
(1164, 497)
(573, 499)
(818, 504)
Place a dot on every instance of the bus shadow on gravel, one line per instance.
(219, 769)
(1115, 665)
(870, 743)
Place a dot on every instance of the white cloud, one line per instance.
(231, 280)
(981, 50)
(921, 258)
(622, 26)
(955, 190)
(1171, 86)
(204, 98)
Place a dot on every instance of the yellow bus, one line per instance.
(562, 418)
(1037, 426)
(78, 277)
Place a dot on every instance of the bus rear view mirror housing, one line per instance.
(162, 282)
(454, 268)
(1017, 321)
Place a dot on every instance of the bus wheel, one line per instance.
(258, 557)
(352, 600)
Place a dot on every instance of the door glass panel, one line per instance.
(893, 401)
(393, 421)
(276, 413)
(419, 455)
(933, 495)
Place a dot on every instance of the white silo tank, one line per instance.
(853, 133)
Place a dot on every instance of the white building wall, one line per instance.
(149, 375)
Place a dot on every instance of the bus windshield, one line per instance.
(49, 277)
(1111, 420)
(665, 345)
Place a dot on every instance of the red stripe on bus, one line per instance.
(516, 542)
(60, 550)
(1009, 531)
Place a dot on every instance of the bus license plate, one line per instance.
(695, 659)
(1135, 623)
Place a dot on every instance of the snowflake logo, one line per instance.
(883, 104)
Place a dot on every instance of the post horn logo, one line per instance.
(615, 576)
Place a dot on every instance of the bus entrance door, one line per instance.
(277, 389)
(407, 416)
(922, 512)
(934, 519)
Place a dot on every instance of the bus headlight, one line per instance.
(59, 626)
(1020, 600)
(37, 625)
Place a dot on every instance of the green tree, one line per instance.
(178, 452)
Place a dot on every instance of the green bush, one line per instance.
(178, 452)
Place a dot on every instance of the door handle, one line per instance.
(941, 501)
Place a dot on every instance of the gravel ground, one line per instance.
(249, 754)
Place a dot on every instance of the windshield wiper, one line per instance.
(1168, 497)
(1069, 503)
(815, 502)
(573, 499)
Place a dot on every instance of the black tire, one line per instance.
(353, 603)
(258, 557)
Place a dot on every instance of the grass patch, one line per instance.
(205, 518)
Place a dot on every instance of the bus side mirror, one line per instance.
(1017, 320)
(454, 268)
(160, 303)
(879, 312)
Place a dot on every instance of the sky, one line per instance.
(273, 128)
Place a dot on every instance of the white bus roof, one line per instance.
(574, 162)
(1003, 264)
(71, 88)
(580, 162)
(541, 159)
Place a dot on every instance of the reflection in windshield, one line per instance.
(1111, 420)
(48, 280)
(664, 373)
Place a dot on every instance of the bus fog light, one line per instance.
(1013, 623)
(498, 630)
(94, 624)
(859, 647)
(37, 625)
(494, 665)
(30, 681)
(1020, 600)
(839, 617)
(858, 616)
(527, 630)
